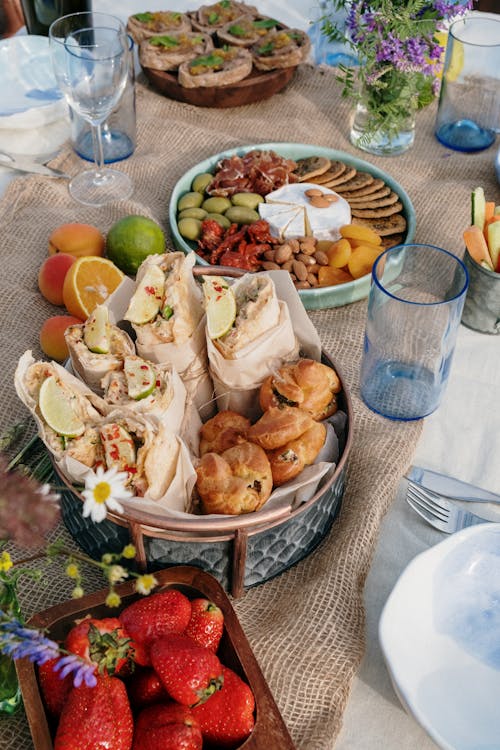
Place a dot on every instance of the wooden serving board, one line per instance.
(253, 88)
(270, 732)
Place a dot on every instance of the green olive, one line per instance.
(201, 182)
(189, 228)
(220, 219)
(190, 200)
(216, 205)
(193, 213)
(247, 200)
(241, 215)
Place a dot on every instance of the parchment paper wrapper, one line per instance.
(90, 366)
(237, 381)
(90, 407)
(189, 358)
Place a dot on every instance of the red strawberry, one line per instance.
(206, 624)
(168, 726)
(189, 673)
(226, 719)
(96, 718)
(104, 642)
(154, 616)
(55, 690)
(145, 688)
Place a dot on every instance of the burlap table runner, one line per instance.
(306, 626)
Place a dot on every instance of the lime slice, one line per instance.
(97, 332)
(140, 376)
(147, 299)
(119, 448)
(220, 306)
(56, 409)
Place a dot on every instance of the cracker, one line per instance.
(349, 173)
(384, 225)
(376, 186)
(336, 169)
(311, 166)
(358, 182)
(375, 213)
(392, 239)
(368, 202)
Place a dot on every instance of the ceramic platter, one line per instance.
(439, 635)
(313, 299)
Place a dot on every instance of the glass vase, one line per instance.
(10, 693)
(383, 121)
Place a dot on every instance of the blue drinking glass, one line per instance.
(414, 310)
(469, 102)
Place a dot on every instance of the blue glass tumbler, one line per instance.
(469, 102)
(414, 310)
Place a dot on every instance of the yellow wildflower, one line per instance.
(145, 583)
(5, 562)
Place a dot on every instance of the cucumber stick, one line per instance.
(494, 242)
(478, 206)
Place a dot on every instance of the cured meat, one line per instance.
(255, 172)
(281, 49)
(246, 30)
(219, 68)
(144, 25)
(210, 18)
(168, 51)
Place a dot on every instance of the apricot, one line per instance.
(339, 253)
(52, 336)
(77, 239)
(329, 276)
(362, 259)
(52, 274)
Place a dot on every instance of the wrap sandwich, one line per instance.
(65, 409)
(97, 347)
(167, 315)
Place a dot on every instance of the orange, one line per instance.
(88, 283)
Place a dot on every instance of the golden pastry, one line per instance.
(223, 431)
(307, 384)
(289, 460)
(278, 425)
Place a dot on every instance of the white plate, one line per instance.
(440, 635)
(30, 96)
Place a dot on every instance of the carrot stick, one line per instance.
(476, 244)
(489, 210)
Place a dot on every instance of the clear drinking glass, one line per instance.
(90, 56)
(469, 102)
(414, 311)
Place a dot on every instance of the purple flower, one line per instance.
(19, 642)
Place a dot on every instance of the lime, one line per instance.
(132, 239)
(97, 332)
(56, 409)
(147, 298)
(140, 377)
(119, 448)
(220, 306)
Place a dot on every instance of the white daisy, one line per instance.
(103, 490)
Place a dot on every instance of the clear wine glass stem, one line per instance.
(98, 151)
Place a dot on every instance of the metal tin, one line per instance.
(482, 303)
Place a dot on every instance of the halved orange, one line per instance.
(88, 283)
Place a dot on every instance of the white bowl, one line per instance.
(440, 636)
(30, 95)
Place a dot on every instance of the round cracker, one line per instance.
(368, 202)
(358, 182)
(392, 239)
(375, 213)
(336, 169)
(375, 187)
(384, 225)
(349, 173)
(311, 166)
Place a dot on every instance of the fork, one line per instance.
(440, 513)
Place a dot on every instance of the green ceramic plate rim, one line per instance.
(312, 299)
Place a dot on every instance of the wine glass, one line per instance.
(90, 57)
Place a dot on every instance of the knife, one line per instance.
(450, 487)
(25, 164)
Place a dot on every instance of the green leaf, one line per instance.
(144, 17)
(164, 41)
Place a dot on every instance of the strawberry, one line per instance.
(55, 690)
(206, 624)
(154, 616)
(145, 688)
(104, 642)
(226, 719)
(168, 726)
(96, 718)
(189, 673)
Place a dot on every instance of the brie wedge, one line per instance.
(289, 213)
